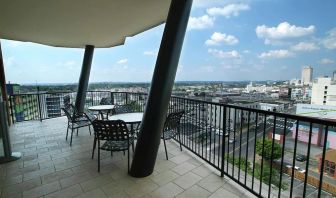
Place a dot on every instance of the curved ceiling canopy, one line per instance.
(76, 23)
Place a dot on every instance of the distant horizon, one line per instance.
(148, 82)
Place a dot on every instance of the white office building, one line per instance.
(324, 91)
(307, 75)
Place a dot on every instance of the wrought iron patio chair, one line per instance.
(104, 114)
(171, 128)
(105, 101)
(115, 135)
(123, 109)
(76, 120)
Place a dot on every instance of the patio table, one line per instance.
(101, 108)
(129, 118)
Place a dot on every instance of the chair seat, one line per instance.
(115, 145)
(80, 123)
(169, 134)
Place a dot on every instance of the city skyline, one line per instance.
(225, 41)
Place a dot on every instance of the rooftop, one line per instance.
(51, 168)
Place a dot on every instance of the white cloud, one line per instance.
(329, 42)
(122, 61)
(223, 54)
(217, 38)
(305, 46)
(150, 53)
(228, 10)
(276, 54)
(202, 22)
(326, 61)
(283, 31)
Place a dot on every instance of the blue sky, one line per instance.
(226, 40)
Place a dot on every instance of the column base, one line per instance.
(13, 157)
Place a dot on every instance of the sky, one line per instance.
(225, 41)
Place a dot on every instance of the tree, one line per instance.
(267, 154)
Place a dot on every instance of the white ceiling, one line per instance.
(76, 23)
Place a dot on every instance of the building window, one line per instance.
(329, 168)
(325, 87)
(325, 92)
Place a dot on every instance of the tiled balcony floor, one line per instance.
(51, 168)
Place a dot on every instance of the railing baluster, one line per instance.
(294, 155)
(254, 150)
(322, 163)
(247, 145)
(271, 163)
(234, 141)
(307, 162)
(240, 141)
(282, 155)
(229, 135)
(223, 142)
(263, 151)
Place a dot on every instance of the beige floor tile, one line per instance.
(212, 182)
(183, 168)
(118, 186)
(165, 177)
(42, 190)
(97, 193)
(75, 179)
(66, 192)
(141, 188)
(96, 182)
(222, 193)
(166, 191)
(194, 192)
(180, 158)
(202, 171)
(187, 180)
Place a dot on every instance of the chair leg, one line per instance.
(128, 158)
(66, 138)
(77, 131)
(164, 142)
(98, 156)
(90, 129)
(94, 147)
(71, 136)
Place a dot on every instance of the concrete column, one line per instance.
(3, 86)
(84, 78)
(161, 88)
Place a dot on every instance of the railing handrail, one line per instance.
(270, 113)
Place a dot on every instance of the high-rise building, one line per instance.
(324, 92)
(307, 75)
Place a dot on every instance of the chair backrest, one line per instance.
(71, 112)
(66, 100)
(105, 101)
(113, 130)
(123, 109)
(173, 120)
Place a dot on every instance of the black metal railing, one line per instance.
(268, 153)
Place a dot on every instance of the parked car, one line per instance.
(301, 158)
(231, 140)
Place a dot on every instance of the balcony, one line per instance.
(51, 168)
(243, 145)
